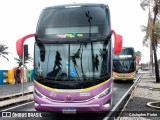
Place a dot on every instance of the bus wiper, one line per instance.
(42, 50)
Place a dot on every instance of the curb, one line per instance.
(154, 105)
(15, 99)
(131, 92)
(14, 95)
(155, 89)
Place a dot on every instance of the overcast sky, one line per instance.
(19, 18)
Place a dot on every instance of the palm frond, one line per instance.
(144, 4)
(143, 28)
(3, 51)
(26, 60)
(5, 57)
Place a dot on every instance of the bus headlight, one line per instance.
(38, 93)
(104, 93)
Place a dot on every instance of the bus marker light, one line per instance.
(107, 105)
(73, 6)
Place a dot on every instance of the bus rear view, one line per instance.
(73, 59)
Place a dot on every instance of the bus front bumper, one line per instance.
(124, 77)
(100, 105)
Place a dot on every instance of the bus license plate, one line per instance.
(69, 111)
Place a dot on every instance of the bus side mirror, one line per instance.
(117, 42)
(20, 42)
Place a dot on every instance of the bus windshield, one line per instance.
(79, 63)
(68, 22)
(125, 61)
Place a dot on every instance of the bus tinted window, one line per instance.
(73, 22)
(85, 63)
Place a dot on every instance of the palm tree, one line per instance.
(3, 51)
(152, 32)
(19, 61)
(154, 44)
(90, 24)
(74, 57)
(138, 54)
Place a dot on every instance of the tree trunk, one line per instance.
(156, 66)
(151, 57)
(154, 47)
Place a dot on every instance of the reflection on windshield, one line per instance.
(56, 72)
(73, 62)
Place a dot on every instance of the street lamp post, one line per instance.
(25, 55)
(23, 74)
(142, 63)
